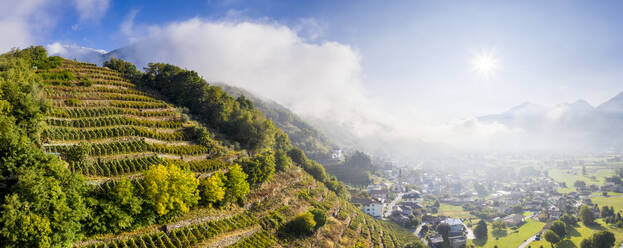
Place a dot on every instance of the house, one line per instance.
(372, 187)
(554, 212)
(381, 194)
(433, 220)
(374, 207)
(584, 190)
(457, 241)
(456, 226)
(403, 209)
(593, 187)
(412, 196)
(397, 187)
(337, 155)
(513, 219)
(596, 211)
(435, 241)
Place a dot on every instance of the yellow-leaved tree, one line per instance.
(170, 188)
(213, 188)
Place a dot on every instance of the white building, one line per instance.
(374, 207)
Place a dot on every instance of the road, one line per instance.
(470, 233)
(527, 242)
(417, 231)
(389, 206)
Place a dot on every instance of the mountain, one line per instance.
(161, 160)
(612, 106)
(576, 126)
(315, 144)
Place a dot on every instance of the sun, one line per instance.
(485, 64)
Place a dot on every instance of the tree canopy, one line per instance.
(169, 188)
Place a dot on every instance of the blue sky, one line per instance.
(423, 45)
(409, 58)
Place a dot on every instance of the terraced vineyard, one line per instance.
(128, 130)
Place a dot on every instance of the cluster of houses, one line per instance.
(410, 205)
(375, 205)
(457, 234)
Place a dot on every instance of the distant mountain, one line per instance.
(95, 56)
(612, 106)
(578, 125)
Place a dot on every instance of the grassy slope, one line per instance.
(581, 232)
(513, 238)
(614, 201)
(453, 211)
(575, 174)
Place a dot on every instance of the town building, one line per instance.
(374, 207)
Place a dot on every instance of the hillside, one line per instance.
(152, 170)
(315, 144)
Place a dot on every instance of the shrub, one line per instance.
(302, 224)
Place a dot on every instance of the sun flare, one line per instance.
(485, 64)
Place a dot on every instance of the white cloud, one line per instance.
(127, 26)
(76, 52)
(91, 10)
(322, 81)
(20, 19)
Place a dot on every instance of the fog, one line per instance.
(324, 82)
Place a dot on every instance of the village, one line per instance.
(445, 208)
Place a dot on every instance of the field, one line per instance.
(453, 211)
(513, 238)
(569, 176)
(579, 233)
(614, 201)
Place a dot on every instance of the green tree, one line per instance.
(551, 237)
(579, 184)
(480, 189)
(169, 188)
(480, 231)
(236, 185)
(21, 227)
(127, 69)
(586, 215)
(586, 243)
(444, 230)
(77, 155)
(213, 188)
(56, 193)
(560, 228)
(317, 171)
(236, 119)
(570, 220)
(260, 168)
(282, 161)
(498, 225)
(298, 156)
(302, 224)
(603, 239)
(320, 217)
(116, 210)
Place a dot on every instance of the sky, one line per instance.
(409, 65)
